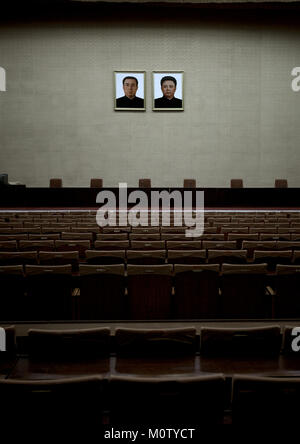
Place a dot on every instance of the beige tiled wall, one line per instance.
(241, 116)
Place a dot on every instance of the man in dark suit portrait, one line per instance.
(168, 86)
(130, 100)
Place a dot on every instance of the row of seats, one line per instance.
(268, 340)
(166, 401)
(148, 292)
(87, 244)
(161, 400)
(94, 233)
(150, 257)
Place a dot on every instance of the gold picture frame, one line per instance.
(167, 90)
(130, 90)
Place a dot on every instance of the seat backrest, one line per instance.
(55, 183)
(143, 342)
(186, 257)
(196, 291)
(18, 257)
(243, 291)
(227, 256)
(49, 292)
(184, 245)
(105, 257)
(236, 183)
(144, 183)
(96, 183)
(189, 183)
(242, 341)
(59, 258)
(167, 400)
(62, 402)
(147, 245)
(149, 291)
(151, 257)
(265, 401)
(65, 344)
(272, 258)
(12, 284)
(102, 292)
(287, 301)
(111, 245)
(281, 183)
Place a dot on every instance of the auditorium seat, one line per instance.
(287, 298)
(196, 291)
(12, 237)
(187, 257)
(55, 183)
(243, 291)
(77, 236)
(219, 245)
(36, 245)
(112, 236)
(73, 245)
(12, 285)
(102, 292)
(18, 257)
(189, 183)
(172, 230)
(265, 401)
(296, 257)
(144, 237)
(60, 404)
(251, 246)
(111, 245)
(111, 230)
(152, 257)
(96, 183)
(143, 230)
(273, 258)
(59, 258)
(147, 245)
(8, 245)
(105, 257)
(236, 183)
(149, 291)
(155, 342)
(171, 400)
(240, 341)
(69, 344)
(239, 238)
(181, 237)
(53, 236)
(227, 256)
(144, 183)
(184, 245)
(281, 183)
(49, 290)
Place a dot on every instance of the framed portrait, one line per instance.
(167, 87)
(129, 91)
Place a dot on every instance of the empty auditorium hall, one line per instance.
(149, 217)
